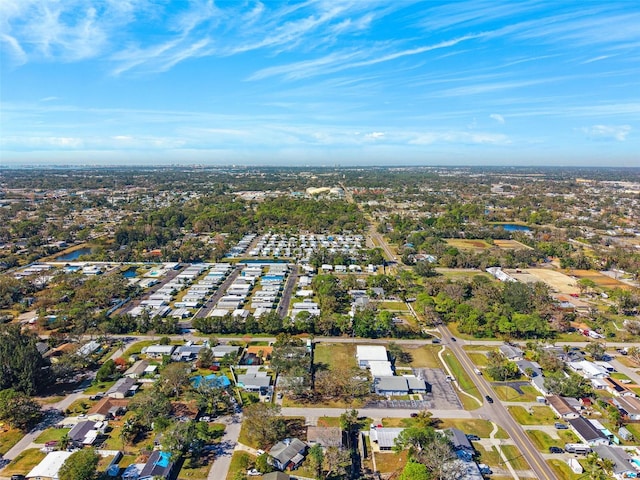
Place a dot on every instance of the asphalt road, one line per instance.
(498, 413)
(224, 450)
(218, 294)
(285, 301)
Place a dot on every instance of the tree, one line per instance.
(315, 457)
(81, 465)
(18, 409)
(205, 358)
(23, 368)
(414, 471)
(106, 371)
(424, 269)
(173, 378)
(350, 425)
(262, 464)
(432, 449)
(337, 462)
(572, 385)
(634, 354)
(263, 423)
(501, 369)
(596, 350)
(149, 406)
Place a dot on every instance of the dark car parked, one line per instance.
(488, 398)
(555, 450)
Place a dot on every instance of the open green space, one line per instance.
(464, 381)
(423, 356)
(482, 428)
(535, 416)
(99, 387)
(480, 359)
(515, 458)
(489, 457)
(395, 306)
(509, 394)
(390, 463)
(201, 472)
(335, 355)
(8, 438)
(543, 440)
(562, 470)
(240, 461)
(329, 422)
(24, 462)
(52, 434)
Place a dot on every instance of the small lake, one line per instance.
(67, 257)
(511, 227)
(131, 273)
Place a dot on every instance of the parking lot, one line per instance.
(442, 394)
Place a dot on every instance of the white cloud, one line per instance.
(375, 135)
(497, 117)
(608, 132)
(457, 137)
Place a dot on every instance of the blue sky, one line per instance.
(320, 82)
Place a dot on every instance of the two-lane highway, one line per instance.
(498, 413)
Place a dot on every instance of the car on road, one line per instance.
(453, 339)
(435, 341)
(413, 415)
(561, 426)
(488, 398)
(477, 371)
(260, 452)
(473, 438)
(555, 450)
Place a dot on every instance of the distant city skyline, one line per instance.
(331, 82)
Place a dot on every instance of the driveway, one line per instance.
(224, 450)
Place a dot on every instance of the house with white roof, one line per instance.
(49, 467)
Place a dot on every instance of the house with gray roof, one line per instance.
(622, 467)
(288, 454)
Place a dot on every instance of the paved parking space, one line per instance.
(442, 394)
(402, 404)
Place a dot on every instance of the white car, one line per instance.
(253, 472)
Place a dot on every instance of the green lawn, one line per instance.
(515, 458)
(425, 357)
(329, 422)
(240, 461)
(390, 462)
(136, 348)
(508, 394)
(482, 428)
(335, 354)
(24, 462)
(543, 441)
(8, 438)
(539, 415)
(82, 405)
(563, 471)
(463, 380)
(489, 457)
(480, 359)
(51, 434)
(99, 387)
(198, 473)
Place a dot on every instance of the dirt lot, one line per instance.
(599, 279)
(511, 245)
(463, 244)
(559, 282)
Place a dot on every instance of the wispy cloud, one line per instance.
(608, 132)
(497, 117)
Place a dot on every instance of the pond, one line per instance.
(512, 227)
(67, 257)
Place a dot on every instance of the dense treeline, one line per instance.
(22, 367)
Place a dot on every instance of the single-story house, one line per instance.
(621, 460)
(630, 406)
(589, 369)
(123, 387)
(399, 385)
(527, 367)
(158, 351)
(587, 432)
(561, 407)
(186, 353)
(276, 476)
(370, 353)
(288, 453)
(618, 389)
(86, 433)
(49, 467)
(384, 438)
(510, 352)
(538, 383)
(159, 465)
(325, 436)
(460, 442)
(220, 351)
(137, 370)
(253, 382)
(107, 408)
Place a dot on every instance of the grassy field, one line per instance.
(240, 461)
(508, 394)
(539, 416)
(563, 471)
(479, 427)
(515, 458)
(24, 462)
(395, 306)
(329, 422)
(51, 434)
(198, 473)
(543, 440)
(489, 457)
(462, 273)
(599, 279)
(426, 357)
(390, 462)
(480, 359)
(82, 405)
(463, 380)
(8, 438)
(464, 244)
(335, 354)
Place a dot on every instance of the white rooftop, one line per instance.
(49, 466)
(371, 353)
